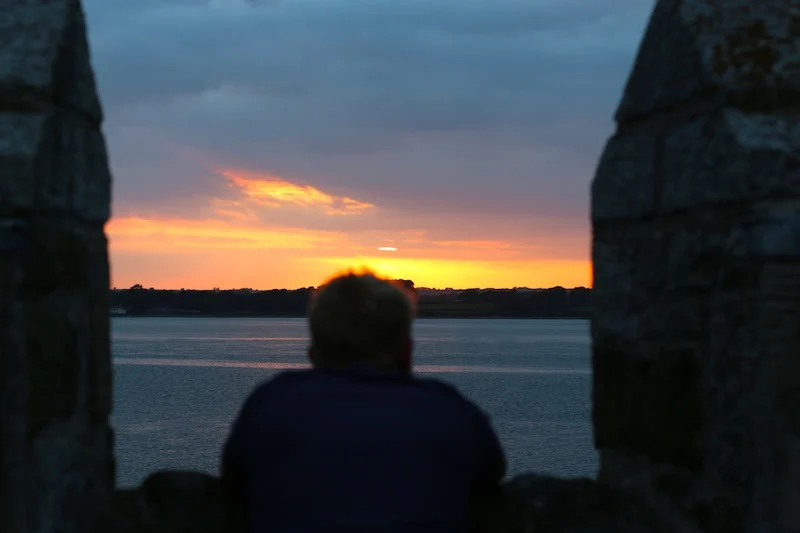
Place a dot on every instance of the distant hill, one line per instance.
(556, 302)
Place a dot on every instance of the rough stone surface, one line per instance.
(696, 233)
(172, 502)
(44, 59)
(191, 502)
(56, 461)
(53, 154)
(710, 53)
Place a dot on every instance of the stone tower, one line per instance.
(696, 249)
(56, 461)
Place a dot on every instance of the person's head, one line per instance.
(360, 318)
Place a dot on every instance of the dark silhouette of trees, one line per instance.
(556, 302)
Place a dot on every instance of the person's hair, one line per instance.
(360, 318)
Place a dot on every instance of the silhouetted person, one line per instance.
(357, 443)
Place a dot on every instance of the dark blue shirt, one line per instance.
(317, 451)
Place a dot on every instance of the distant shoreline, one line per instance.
(553, 303)
(465, 317)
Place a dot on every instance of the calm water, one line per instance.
(179, 383)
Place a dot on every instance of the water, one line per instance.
(180, 381)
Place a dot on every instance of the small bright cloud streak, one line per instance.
(273, 191)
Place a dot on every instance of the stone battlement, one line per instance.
(191, 502)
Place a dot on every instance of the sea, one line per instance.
(179, 382)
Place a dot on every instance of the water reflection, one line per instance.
(271, 365)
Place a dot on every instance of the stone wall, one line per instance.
(191, 502)
(696, 332)
(696, 217)
(56, 459)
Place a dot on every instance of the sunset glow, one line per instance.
(475, 273)
(267, 233)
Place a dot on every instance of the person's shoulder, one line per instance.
(277, 383)
(447, 392)
(468, 411)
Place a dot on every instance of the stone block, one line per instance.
(21, 139)
(71, 476)
(55, 376)
(45, 57)
(65, 274)
(703, 253)
(734, 421)
(697, 496)
(53, 163)
(173, 502)
(648, 400)
(13, 385)
(733, 52)
(658, 296)
(778, 391)
(91, 186)
(541, 503)
(628, 257)
(730, 157)
(13, 233)
(628, 263)
(679, 352)
(675, 317)
(74, 169)
(773, 233)
(624, 183)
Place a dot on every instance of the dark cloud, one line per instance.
(501, 105)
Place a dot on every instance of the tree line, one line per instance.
(556, 302)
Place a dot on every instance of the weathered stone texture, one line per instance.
(52, 151)
(57, 468)
(631, 160)
(715, 52)
(696, 233)
(779, 327)
(730, 156)
(44, 58)
(191, 502)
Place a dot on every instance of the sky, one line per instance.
(272, 143)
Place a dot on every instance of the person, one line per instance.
(358, 443)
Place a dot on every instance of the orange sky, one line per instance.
(275, 232)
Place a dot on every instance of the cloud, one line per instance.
(350, 66)
(274, 192)
(478, 245)
(347, 75)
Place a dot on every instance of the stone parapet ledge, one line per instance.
(192, 502)
(171, 501)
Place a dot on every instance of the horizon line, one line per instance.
(316, 287)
